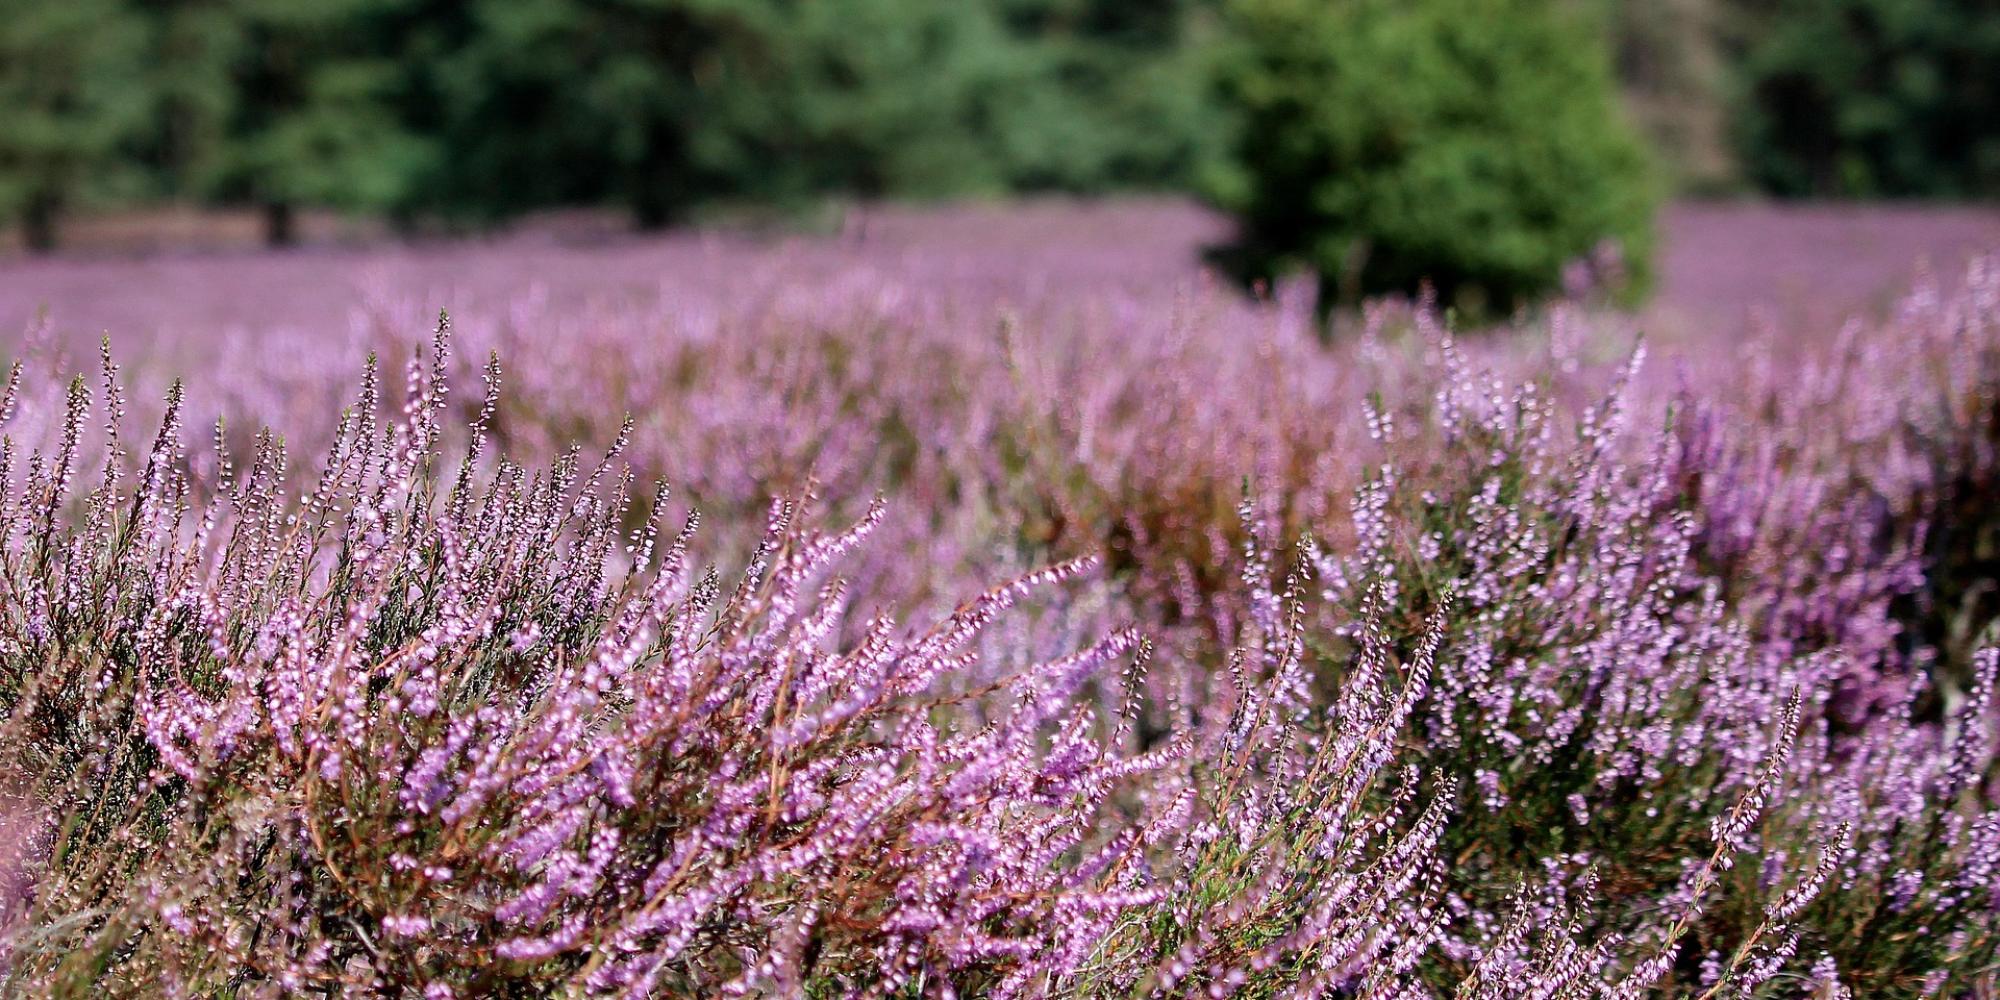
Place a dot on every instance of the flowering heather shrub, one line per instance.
(1416, 666)
(409, 734)
(1607, 701)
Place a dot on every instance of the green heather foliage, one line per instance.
(1472, 143)
(1871, 98)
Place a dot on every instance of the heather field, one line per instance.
(989, 602)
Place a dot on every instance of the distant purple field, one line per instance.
(985, 602)
(1718, 264)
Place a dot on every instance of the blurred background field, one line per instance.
(1725, 268)
(1476, 144)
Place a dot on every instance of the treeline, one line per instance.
(474, 111)
(1818, 98)
(464, 112)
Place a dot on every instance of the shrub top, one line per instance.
(1475, 144)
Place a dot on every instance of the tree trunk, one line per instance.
(656, 185)
(280, 227)
(651, 209)
(38, 224)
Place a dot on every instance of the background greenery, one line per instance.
(469, 112)
(464, 113)
(1473, 144)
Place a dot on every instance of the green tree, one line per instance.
(187, 79)
(1475, 144)
(315, 119)
(68, 101)
(1870, 98)
(553, 102)
(663, 105)
(1132, 83)
(871, 97)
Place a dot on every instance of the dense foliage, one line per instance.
(1476, 144)
(1817, 98)
(446, 113)
(478, 111)
(1220, 662)
(1871, 98)
(66, 100)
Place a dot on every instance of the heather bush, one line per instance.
(1415, 665)
(1608, 700)
(416, 733)
(403, 741)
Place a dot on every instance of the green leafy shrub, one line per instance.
(1475, 144)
